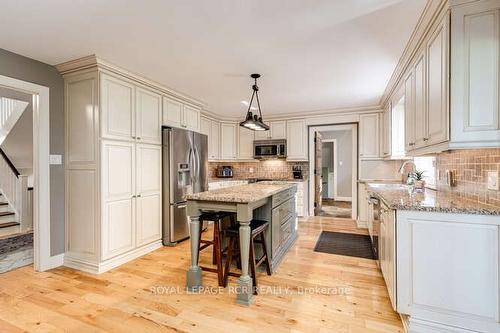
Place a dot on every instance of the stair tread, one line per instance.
(8, 224)
(7, 213)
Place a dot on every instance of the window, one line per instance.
(427, 164)
(398, 129)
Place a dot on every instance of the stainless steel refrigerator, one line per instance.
(185, 171)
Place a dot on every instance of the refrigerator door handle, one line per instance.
(197, 164)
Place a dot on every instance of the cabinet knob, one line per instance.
(138, 138)
(426, 139)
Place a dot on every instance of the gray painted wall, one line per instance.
(344, 160)
(22, 68)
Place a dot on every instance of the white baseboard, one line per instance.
(98, 268)
(361, 224)
(343, 199)
(56, 261)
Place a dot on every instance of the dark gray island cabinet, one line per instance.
(274, 203)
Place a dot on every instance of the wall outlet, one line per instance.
(55, 159)
(251, 170)
(493, 180)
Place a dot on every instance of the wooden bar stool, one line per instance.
(216, 242)
(258, 230)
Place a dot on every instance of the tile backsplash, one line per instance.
(272, 169)
(471, 173)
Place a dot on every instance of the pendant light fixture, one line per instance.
(254, 121)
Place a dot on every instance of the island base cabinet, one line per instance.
(448, 271)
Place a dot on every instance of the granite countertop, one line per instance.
(400, 197)
(242, 193)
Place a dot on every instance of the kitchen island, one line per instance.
(272, 202)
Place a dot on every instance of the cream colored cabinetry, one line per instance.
(211, 129)
(426, 95)
(437, 112)
(117, 108)
(148, 116)
(369, 135)
(409, 85)
(177, 114)
(118, 194)
(362, 206)
(276, 131)
(112, 167)
(148, 193)
(475, 77)
(245, 143)
(387, 250)
(296, 140)
(228, 136)
(386, 132)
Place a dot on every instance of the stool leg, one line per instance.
(218, 254)
(252, 266)
(264, 249)
(215, 240)
(228, 260)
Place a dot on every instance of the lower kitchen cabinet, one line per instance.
(447, 271)
(387, 250)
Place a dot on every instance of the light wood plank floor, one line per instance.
(64, 300)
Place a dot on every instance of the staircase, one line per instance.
(8, 220)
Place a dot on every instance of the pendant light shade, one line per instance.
(254, 121)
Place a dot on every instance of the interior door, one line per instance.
(318, 187)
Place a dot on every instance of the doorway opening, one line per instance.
(334, 171)
(24, 176)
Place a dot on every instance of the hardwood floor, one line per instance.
(138, 296)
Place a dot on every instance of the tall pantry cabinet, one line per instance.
(113, 168)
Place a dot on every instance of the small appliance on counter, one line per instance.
(297, 172)
(225, 171)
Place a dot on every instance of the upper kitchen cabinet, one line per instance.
(148, 116)
(177, 114)
(211, 128)
(245, 143)
(437, 112)
(475, 75)
(296, 140)
(117, 108)
(228, 141)
(277, 131)
(369, 146)
(191, 118)
(386, 132)
(426, 95)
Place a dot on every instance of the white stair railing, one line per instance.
(10, 112)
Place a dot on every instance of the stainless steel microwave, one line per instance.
(269, 149)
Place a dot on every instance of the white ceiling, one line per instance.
(313, 55)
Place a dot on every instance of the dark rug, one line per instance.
(344, 244)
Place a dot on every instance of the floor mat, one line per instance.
(345, 244)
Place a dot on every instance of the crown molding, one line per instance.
(93, 62)
(431, 13)
(299, 114)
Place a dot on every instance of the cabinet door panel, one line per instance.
(437, 100)
(228, 141)
(148, 219)
(475, 77)
(214, 143)
(148, 163)
(117, 108)
(205, 124)
(369, 136)
(117, 170)
(409, 112)
(172, 112)
(263, 135)
(420, 104)
(245, 143)
(278, 130)
(148, 115)
(296, 140)
(118, 227)
(191, 118)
